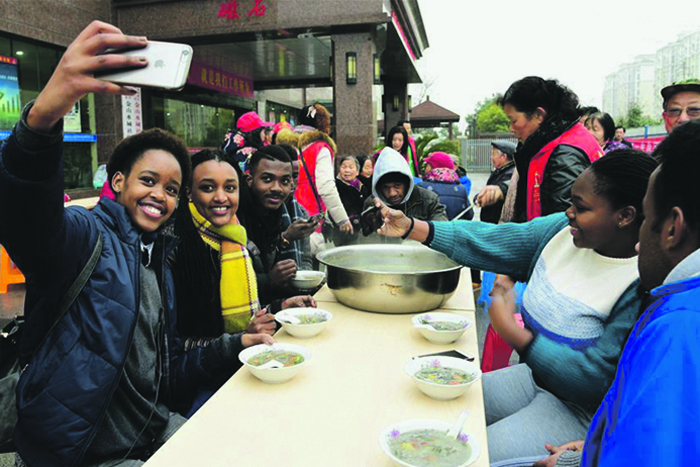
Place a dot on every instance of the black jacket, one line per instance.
(501, 178)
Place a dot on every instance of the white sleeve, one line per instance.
(325, 184)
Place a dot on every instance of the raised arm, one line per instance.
(74, 75)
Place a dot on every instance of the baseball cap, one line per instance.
(250, 121)
(686, 85)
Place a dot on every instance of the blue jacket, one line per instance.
(64, 391)
(650, 415)
(454, 196)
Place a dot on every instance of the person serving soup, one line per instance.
(582, 299)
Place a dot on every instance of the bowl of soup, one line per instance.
(308, 280)
(275, 363)
(441, 328)
(424, 443)
(442, 378)
(303, 322)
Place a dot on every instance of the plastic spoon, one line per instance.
(289, 319)
(456, 428)
(271, 364)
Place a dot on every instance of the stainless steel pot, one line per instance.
(390, 278)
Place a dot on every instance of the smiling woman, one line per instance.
(582, 299)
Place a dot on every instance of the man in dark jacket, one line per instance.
(492, 196)
(278, 240)
(393, 184)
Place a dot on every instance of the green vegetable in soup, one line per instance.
(444, 325)
(429, 448)
(285, 357)
(311, 318)
(444, 375)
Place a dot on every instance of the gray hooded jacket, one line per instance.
(418, 202)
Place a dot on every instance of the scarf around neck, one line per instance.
(238, 285)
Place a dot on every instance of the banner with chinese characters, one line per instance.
(10, 105)
(132, 116)
(209, 77)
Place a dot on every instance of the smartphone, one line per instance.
(371, 219)
(314, 219)
(168, 66)
(449, 353)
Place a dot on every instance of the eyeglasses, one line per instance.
(693, 112)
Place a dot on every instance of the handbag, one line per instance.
(328, 226)
(9, 352)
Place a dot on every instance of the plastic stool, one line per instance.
(9, 274)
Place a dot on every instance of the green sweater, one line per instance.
(579, 327)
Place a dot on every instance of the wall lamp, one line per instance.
(351, 67)
(377, 70)
(395, 104)
(410, 104)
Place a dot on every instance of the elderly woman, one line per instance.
(441, 178)
(602, 127)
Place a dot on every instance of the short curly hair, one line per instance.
(132, 148)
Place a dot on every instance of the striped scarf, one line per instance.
(239, 287)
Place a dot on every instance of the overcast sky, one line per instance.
(479, 47)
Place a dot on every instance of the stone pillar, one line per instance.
(391, 117)
(355, 128)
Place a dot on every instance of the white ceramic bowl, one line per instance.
(274, 375)
(307, 280)
(440, 337)
(421, 424)
(302, 330)
(443, 392)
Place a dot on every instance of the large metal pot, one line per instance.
(390, 278)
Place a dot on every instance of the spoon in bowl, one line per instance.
(289, 319)
(456, 428)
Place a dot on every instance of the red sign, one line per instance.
(206, 76)
(402, 34)
(229, 10)
(10, 60)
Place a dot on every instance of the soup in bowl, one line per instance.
(275, 363)
(442, 378)
(424, 443)
(303, 322)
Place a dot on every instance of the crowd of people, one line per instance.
(198, 253)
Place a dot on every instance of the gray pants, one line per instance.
(522, 417)
(174, 424)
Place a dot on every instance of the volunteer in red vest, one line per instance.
(554, 147)
(319, 194)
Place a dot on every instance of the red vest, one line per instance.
(577, 136)
(304, 193)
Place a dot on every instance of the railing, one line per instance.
(475, 154)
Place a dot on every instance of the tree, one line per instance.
(488, 117)
(635, 118)
(492, 119)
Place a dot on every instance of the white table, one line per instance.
(332, 413)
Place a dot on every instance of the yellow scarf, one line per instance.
(239, 287)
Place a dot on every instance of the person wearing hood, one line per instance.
(441, 178)
(393, 184)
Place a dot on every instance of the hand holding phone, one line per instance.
(168, 66)
(371, 219)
